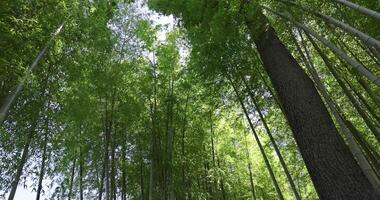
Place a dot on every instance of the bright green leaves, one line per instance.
(147, 34)
(168, 55)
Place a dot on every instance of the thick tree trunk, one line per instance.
(332, 167)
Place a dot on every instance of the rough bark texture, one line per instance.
(334, 172)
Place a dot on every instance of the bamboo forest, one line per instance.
(190, 99)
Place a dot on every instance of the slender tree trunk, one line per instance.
(80, 173)
(102, 181)
(24, 158)
(352, 99)
(252, 185)
(6, 105)
(375, 98)
(44, 155)
(332, 167)
(151, 180)
(349, 29)
(361, 9)
(170, 141)
(29, 139)
(369, 52)
(261, 148)
(251, 181)
(269, 133)
(214, 158)
(105, 174)
(224, 194)
(113, 170)
(124, 173)
(183, 149)
(365, 102)
(341, 54)
(156, 141)
(371, 153)
(72, 179)
(106, 168)
(141, 180)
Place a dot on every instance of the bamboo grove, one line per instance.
(233, 99)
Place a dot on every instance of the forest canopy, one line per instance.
(190, 99)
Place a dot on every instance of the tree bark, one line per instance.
(332, 167)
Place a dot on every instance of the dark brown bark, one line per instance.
(332, 167)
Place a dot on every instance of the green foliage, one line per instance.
(139, 114)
